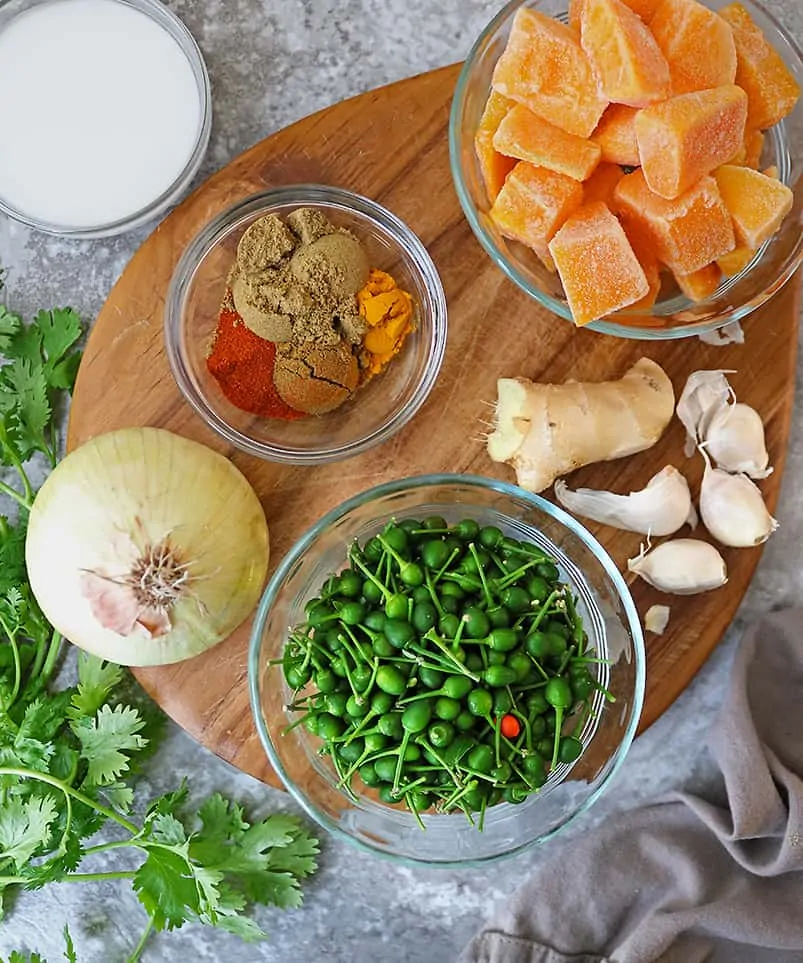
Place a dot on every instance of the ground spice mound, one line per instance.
(242, 363)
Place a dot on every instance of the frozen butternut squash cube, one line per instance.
(771, 89)
(494, 166)
(753, 145)
(596, 264)
(686, 137)
(687, 232)
(647, 258)
(532, 205)
(627, 61)
(544, 67)
(525, 136)
(700, 284)
(602, 183)
(735, 261)
(616, 135)
(697, 43)
(757, 203)
(643, 8)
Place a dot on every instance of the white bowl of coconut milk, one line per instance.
(105, 113)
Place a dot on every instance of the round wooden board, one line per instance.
(391, 144)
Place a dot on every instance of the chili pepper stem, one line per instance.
(559, 710)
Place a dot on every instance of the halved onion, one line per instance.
(146, 548)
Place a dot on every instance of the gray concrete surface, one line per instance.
(271, 62)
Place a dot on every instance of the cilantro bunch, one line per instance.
(67, 757)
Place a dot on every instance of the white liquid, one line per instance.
(99, 112)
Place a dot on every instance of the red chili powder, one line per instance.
(242, 364)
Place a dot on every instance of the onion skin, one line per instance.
(118, 494)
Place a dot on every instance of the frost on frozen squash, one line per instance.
(771, 89)
(697, 43)
(494, 166)
(544, 67)
(627, 61)
(532, 205)
(616, 135)
(757, 203)
(525, 136)
(597, 266)
(735, 261)
(686, 137)
(602, 183)
(686, 233)
(700, 284)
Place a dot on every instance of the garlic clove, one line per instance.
(734, 438)
(682, 566)
(656, 619)
(733, 510)
(661, 508)
(705, 393)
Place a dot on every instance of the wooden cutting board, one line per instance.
(391, 144)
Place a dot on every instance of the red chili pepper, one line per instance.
(510, 727)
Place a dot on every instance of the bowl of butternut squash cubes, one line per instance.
(635, 166)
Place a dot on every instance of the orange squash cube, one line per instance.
(616, 135)
(771, 89)
(602, 183)
(771, 171)
(643, 8)
(533, 204)
(494, 166)
(735, 261)
(757, 203)
(647, 258)
(687, 232)
(753, 145)
(525, 136)
(686, 137)
(701, 284)
(544, 67)
(626, 59)
(597, 266)
(697, 44)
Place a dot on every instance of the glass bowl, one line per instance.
(379, 409)
(170, 23)
(611, 622)
(673, 315)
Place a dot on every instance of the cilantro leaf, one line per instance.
(69, 949)
(17, 957)
(60, 329)
(96, 679)
(106, 739)
(9, 326)
(166, 829)
(25, 827)
(26, 383)
(166, 890)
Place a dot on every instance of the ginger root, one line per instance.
(545, 431)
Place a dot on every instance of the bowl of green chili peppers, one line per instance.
(446, 670)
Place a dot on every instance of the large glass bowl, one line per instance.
(613, 629)
(673, 315)
(375, 412)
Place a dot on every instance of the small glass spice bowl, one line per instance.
(673, 315)
(610, 620)
(376, 411)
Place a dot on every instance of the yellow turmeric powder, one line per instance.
(388, 311)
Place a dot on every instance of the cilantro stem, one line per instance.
(12, 493)
(69, 791)
(99, 877)
(54, 648)
(142, 941)
(103, 847)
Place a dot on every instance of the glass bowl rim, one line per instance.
(227, 221)
(304, 543)
(509, 269)
(169, 21)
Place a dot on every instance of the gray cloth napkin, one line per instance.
(688, 879)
